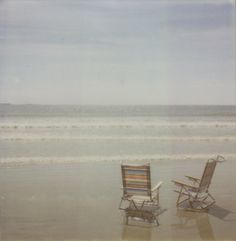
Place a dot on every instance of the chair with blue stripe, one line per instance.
(139, 198)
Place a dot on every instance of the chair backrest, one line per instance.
(207, 175)
(136, 179)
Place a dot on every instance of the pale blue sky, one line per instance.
(117, 51)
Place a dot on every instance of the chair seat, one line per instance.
(195, 194)
(139, 198)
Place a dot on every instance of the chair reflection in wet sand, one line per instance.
(195, 220)
(139, 200)
(132, 232)
(196, 194)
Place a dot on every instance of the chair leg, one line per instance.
(211, 197)
(177, 202)
(142, 212)
(208, 204)
(121, 201)
(120, 204)
(180, 200)
(204, 203)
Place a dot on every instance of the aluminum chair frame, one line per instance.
(141, 199)
(196, 193)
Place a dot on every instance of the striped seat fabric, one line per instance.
(136, 180)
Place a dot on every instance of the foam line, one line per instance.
(121, 125)
(120, 138)
(15, 161)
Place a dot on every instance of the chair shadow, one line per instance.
(218, 212)
(221, 213)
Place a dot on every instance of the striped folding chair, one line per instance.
(139, 199)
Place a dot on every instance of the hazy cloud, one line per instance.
(138, 52)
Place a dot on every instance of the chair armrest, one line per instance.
(193, 178)
(157, 186)
(184, 185)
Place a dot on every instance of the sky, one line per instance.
(149, 52)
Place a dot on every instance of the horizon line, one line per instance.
(60, 104)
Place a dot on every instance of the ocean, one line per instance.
(60, 172)
(73, 133)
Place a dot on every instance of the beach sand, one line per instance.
(79, 201)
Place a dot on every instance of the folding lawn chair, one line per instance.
(141, 200)
(196, 194)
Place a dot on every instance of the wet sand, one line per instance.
(80, 201)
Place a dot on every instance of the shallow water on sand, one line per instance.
(80, 202)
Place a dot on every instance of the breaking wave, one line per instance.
(15, 161)
(120, 138)
(120, 125)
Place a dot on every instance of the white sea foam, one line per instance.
(41, 134)
(14, 161)
(118, 138)
(122, 124)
